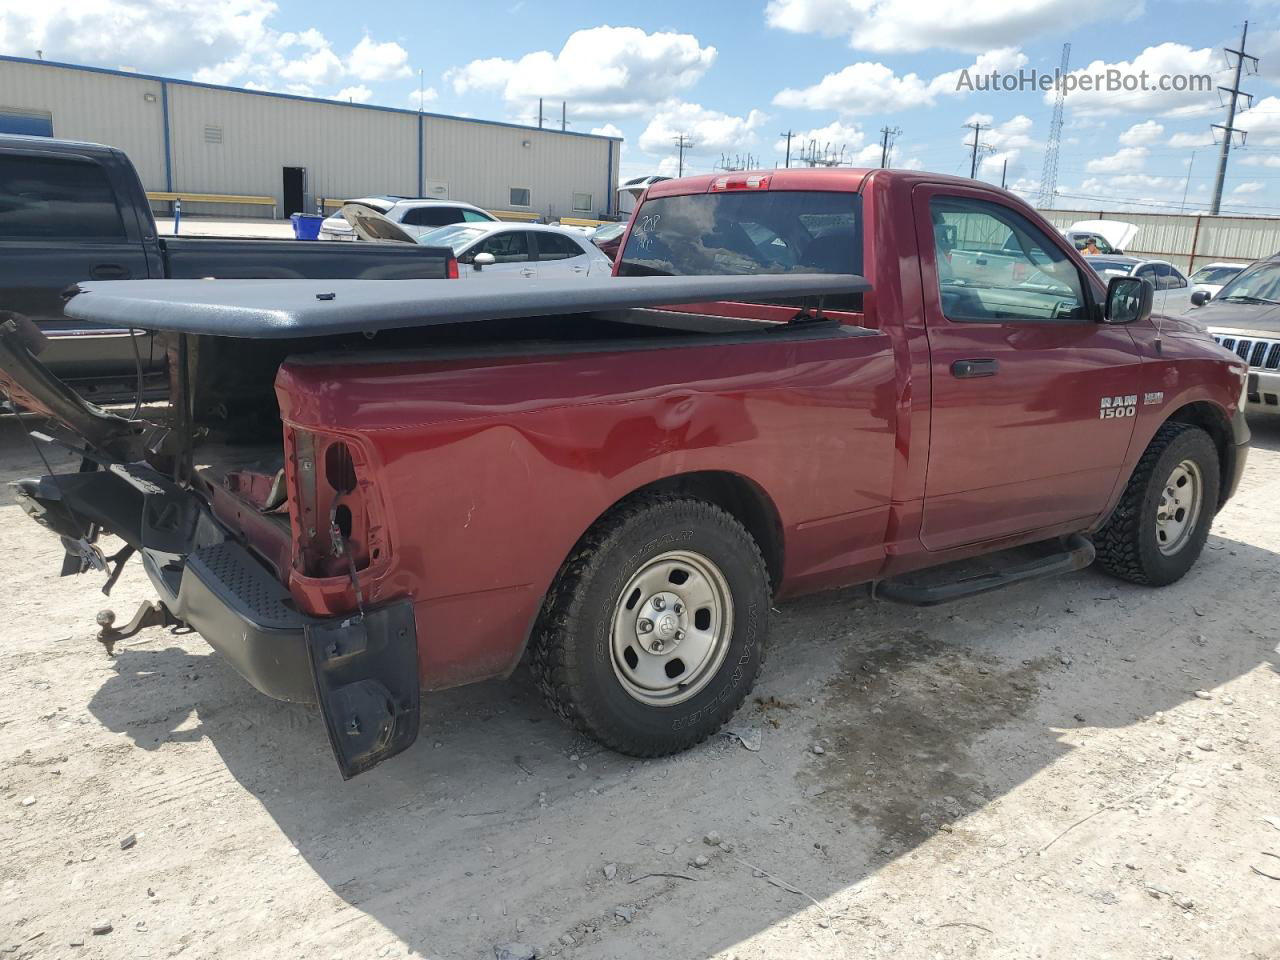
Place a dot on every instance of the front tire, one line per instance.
(653, 633)
(1162, 521)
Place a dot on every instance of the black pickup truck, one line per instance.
(77, 211)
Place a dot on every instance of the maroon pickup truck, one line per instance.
(798, 380)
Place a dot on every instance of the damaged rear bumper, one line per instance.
(360, 668)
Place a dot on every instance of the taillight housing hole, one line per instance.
(342, 517)
(339, 469)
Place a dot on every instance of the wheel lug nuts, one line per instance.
(679, 634)
(657, 646)
(659, 603)
(645, 626)
(678, 607)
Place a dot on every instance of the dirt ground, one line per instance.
(1070, 769)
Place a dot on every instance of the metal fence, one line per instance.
(1187, 240)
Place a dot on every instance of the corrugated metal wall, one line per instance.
(1187, 240)
(229, 141)
(85, 106)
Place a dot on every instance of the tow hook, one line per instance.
(152, 614)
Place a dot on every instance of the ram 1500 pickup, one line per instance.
(77, 211)
(786, 388)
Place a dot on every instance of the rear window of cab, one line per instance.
(748, 232)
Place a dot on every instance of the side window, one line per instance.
(994, 265)
(509, 247)
(582, 203)
(53, 199)
(432, 216)
(1169, 278)
(471, 216)
(520, 196)
(553, 246)
(1146, 272)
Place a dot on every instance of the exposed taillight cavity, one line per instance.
(334, 510)
(451, 268)
(754, 181)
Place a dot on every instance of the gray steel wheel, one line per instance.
(671, 628)
(1179, 508)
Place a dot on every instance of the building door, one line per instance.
(295, 183)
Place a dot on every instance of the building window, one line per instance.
(582, 203)
(31, 123)
(520, 196)
(212, 133)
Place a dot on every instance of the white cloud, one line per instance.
(356, 94)
(1258, 160)
(869, 87)
(859, 88)
(378, 62)
(1250, 186)
(1262, 119)
(669, 167)
(710, 130)
(418, 99)
(602, 70)
(607, 130)
(1166, 60)
(1124, 160)
(1196, 139)
(913, 25)
(1142, 134)
(318, 67)
(1007, 140)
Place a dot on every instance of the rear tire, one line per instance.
(653, 633)
(1162, 520)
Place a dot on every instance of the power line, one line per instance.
(886, 134)
(1228, 129)
(1049, 173)
(683, 143)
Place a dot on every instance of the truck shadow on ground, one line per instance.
(497, 825)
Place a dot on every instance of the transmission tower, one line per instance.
(1228, 130)
(1049, 175)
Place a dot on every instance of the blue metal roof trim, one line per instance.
(6, 58)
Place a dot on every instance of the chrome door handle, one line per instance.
(972, 369)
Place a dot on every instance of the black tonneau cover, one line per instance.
(281, 309)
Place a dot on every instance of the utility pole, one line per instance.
(1049, 173)
(886, 133)
(789, 134)
(973, 163)
(683, 143)
(1187, 186)
(1228, 129)
(539, 113)
(564, 115)
(1004, 173)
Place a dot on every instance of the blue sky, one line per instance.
(733, 76)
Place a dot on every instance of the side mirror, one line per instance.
(482, 260)
(1200, 298)
(1129, 300)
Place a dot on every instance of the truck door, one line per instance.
(1034, 400)
(60, 223)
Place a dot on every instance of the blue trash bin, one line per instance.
(306, 226)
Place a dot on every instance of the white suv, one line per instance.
(415, 216)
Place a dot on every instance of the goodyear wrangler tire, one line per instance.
(1162, 521)
(653, 633)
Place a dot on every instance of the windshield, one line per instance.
(1257, 284)
(746, 232)
(1214, 274)
(1112, 266)
(456, 236)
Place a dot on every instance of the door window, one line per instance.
(1168, 278)
(994, 265)
(553, 246)
(509, 247)
(43, 198)
(475, 216)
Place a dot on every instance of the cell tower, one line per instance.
(1049, 175)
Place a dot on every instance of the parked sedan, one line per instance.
(1212, 277)
(608, 237)
(520, 249)
(415, 216)
(1173, 291)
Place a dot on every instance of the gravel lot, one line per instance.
(1071, 769)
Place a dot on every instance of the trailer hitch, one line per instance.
(149, 614)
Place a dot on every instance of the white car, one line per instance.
(1173, 291)
(415, 216)
(526, 250)
(1111, 236)
(1212, 277)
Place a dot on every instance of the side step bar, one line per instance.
(1076, 553)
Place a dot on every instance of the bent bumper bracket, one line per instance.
(366, 674)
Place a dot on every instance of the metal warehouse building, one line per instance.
(204, 139)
